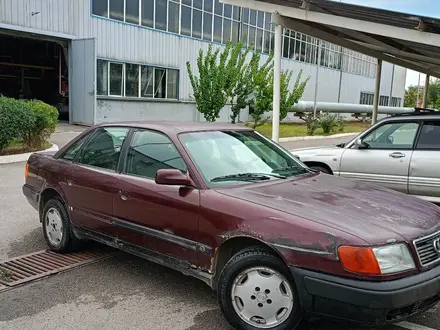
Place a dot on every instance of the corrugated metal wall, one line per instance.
(125, 42)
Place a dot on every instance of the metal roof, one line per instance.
(407, 40)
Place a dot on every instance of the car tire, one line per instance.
(57, 228)
(322, 169)
(263, 270)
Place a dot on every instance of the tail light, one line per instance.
(26, 171)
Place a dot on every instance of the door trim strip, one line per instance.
(171, 238)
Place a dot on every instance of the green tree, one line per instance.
(411, 97)
(434, 93)
(289, 98)
(217, 79)
(262, 77)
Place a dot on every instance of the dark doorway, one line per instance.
(34, 69)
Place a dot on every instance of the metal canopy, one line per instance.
(407, 40)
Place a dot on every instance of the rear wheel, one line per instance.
(257, 291)
(57, 228)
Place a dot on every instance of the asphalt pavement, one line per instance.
(124, 292)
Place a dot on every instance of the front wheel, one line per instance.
(257, 291)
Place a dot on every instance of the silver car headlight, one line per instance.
(394, 258)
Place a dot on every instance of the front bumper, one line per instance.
(366, 302)
(32, 196)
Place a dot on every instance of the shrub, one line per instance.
(342, 123)
(15, 118)
(328, 123)
(45, 119)
(311, 123)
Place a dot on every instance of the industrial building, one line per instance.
(106, 60)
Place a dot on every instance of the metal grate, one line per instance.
(426, 249)
(33, 266)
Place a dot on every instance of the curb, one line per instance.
(316, 137)
(23, 157)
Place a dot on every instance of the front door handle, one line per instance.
(70, 182)
(123, 196)
(397, 155)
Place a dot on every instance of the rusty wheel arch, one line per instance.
(233, 245)
(46, 196)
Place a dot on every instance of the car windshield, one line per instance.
(237, 157)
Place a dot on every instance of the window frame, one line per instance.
(65, 150)
(122, 167)
(352, 145)
(92, 134)
(139, 96)
(422, 124)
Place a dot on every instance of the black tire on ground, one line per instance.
(322, 169)
(245, 259)
(69, 242)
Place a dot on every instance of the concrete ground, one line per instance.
(124, 292)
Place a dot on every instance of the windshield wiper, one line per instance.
(342, 145)
(247, 177)
(293, 168)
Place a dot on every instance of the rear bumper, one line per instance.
(32, 196)
(369, 303)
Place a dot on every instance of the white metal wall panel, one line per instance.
(119, 41)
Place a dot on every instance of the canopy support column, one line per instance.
(377, 92)
(276, 82)
(425, 95)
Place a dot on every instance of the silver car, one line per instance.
(401, 152)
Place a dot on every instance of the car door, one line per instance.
(385, 160)
(90, 180)
(424, 173)
(156, 217)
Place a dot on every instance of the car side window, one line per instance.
(151, 151)
(429, 136)
(104, 148)
(392, 136)
(73, 150)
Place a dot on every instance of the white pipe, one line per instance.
(276, 84)
(377, 92)
(317, 78)
(333, 107)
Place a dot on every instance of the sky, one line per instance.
(429, 8)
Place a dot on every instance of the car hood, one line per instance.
(374, 214)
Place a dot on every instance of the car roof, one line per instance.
(176, 127)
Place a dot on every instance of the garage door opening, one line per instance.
(34, 69)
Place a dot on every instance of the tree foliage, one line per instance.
(263, 88)
(218, 74)
(288, 98)
(433, 95)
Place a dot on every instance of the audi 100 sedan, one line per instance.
(279, 242)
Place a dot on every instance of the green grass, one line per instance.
(18, 147)
(299, 129)
(5, 275)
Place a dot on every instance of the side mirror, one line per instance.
(361, 144)
(172, 177)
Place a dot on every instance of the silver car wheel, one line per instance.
(262, 297)
(54, 226)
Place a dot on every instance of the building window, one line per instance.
(396, 101)
(99, 7)
(134, 80)
(116, 78)
(384, 100)
(117, 9)
(368, 99)
(211, 20)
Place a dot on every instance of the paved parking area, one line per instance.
(124, 292)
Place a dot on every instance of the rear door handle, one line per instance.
(397, 155)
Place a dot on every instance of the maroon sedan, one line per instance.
(277, 240)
